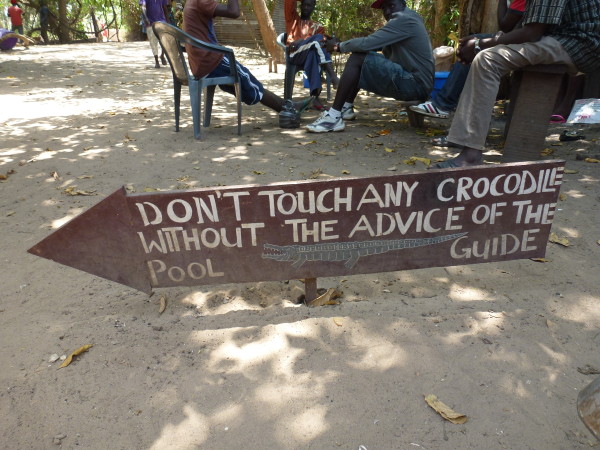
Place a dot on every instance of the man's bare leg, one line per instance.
(275, 102)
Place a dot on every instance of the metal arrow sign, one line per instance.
(310, 229)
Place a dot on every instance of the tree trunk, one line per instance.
(63, 22)
(438, 36)
(267, 30)
(97, 32)
(478, 16)
(490, 17)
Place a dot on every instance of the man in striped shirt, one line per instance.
(553, 32)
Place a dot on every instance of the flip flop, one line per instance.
(448, 164)
(305, 105)
(320, 108)
(557, 118)
(570, 136)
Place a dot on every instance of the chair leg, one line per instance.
(177, 101)
(328, 79)
(238, 96)
(208, 102)
(290, 75)
(196, 102)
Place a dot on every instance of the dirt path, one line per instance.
(245, 366)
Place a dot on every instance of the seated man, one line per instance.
(198, 21)
(405, 71)
(553, 32)
(446, 99)
(306, 39)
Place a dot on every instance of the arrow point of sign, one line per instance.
(99, 241)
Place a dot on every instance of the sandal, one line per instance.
(320, 107)
(448, 164)
(570, 136)
(304, 105)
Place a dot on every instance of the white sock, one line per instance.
(334, 113)
(347, 105)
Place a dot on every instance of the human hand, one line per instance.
(466, 49)
(330, 45)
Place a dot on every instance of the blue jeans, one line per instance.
(447, 98)
(388, 79)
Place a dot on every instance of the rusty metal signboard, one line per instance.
(310, 229)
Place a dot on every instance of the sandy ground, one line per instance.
(246, 366)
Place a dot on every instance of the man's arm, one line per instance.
(508, 18)
(531, 32)
(382, 37)
(166, 10)
(144, 15)
(231, 10)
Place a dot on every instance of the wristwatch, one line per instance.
(476, 46)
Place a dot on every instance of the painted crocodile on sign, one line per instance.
(348, 251)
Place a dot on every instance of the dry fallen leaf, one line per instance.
(547, 152)
(389, 150)
(338, 321)
(163, 304)
(414, 159)
(571, 171)
(77, 352)
(383, 132)
(551, 324)
(257, 172)
(592, 160)
(345, 172)
(328, 298)
(562, 197)
(72, 191)
(326, 153)
(307, 143)
(444, 410)
(556, 240)
(542, 260)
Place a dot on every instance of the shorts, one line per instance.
(388, 79)
(252, 89)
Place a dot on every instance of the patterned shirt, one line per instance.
(573, 23)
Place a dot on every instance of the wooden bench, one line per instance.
(415, 120)
(532, 98)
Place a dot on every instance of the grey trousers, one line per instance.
(471, 121)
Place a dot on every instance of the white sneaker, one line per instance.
(326, 123)
(348, 113)
(429, 109)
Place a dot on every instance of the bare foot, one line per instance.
(467, 157)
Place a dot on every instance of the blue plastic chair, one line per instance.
(172, 40)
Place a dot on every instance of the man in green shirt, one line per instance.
(405, 70)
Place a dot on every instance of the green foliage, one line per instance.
(348, 18)
(351, 18)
